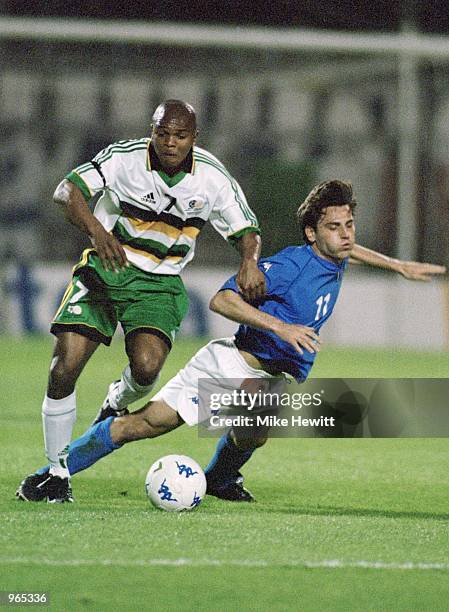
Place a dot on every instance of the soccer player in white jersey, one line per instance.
(158, 193)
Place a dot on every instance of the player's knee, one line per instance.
(64, 370)
(145, 370)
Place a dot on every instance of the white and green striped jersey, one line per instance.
(157, 218)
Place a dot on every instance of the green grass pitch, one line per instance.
(352, 524)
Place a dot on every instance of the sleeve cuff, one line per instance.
(252, 229)
(75, 178)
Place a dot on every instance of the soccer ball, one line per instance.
(175, 483)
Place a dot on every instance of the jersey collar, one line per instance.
(153, 163)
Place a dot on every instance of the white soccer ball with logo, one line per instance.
(175, 483)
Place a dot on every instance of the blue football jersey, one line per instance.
(302, 288)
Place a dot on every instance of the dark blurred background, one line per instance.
(428, 15)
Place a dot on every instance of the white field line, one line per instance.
(325, 564)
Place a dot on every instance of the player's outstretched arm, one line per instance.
(77, 212)
(250, 280)
(230, 305)
(413, 270)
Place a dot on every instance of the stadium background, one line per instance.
(286, 95)
(283, 109)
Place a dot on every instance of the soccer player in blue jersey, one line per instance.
(278, 334)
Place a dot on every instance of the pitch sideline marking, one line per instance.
(325, 564)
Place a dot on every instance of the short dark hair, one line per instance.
(329, 193)
(175, 108)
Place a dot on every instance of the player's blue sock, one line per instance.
(225, 464)
(94, 444)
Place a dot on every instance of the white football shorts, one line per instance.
(219, 365)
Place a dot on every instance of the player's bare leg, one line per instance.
(147, 353)
(154, 419)
(71, 353)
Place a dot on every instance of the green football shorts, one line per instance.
(97, 300)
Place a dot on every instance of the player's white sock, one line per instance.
(58, 418)
(127, 390)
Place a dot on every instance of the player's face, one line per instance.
(334, 236)
(172, 140)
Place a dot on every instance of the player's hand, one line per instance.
(413, 270)
(300, 337)
(110, 251)
(251, 281)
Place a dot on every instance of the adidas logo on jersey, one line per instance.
(148, 198)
